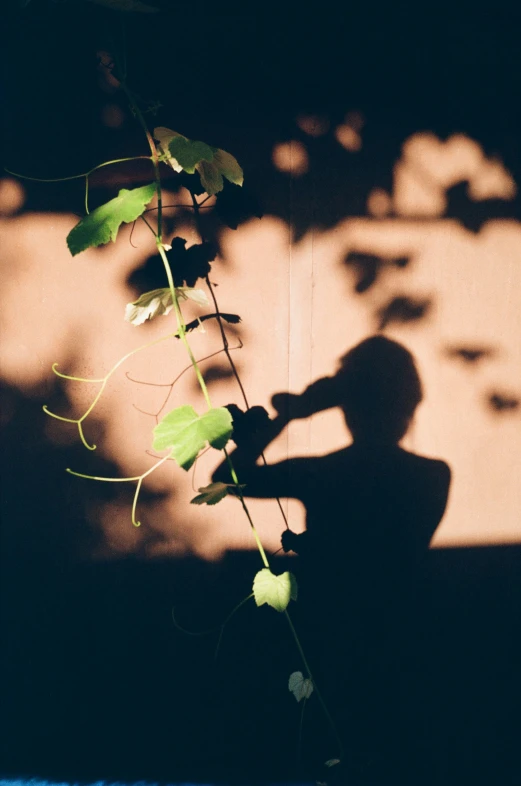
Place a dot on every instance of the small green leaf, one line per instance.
(103, 224)
(189, 153)
(332, 762)
(276, 591)
(212, 494)
(301, 687)
(185, 432)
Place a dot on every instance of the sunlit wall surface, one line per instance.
(432, 260)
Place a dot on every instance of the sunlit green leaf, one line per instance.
(185, 432)
(103, 224)
(189, 153)
(300, 686)
(276, 591)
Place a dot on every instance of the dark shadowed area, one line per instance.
(382, 147)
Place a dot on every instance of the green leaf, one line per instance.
(211, 178)
(276, 591)
(229, 167)
(185, 432)
(188, 153)
(212, 172)
(103, 224)
(301, 687)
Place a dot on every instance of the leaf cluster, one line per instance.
(188, 155)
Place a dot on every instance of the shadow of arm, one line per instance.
(284, 479)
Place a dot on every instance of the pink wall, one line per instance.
(300, 315)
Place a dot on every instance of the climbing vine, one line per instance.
(183, 433)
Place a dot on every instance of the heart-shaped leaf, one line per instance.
(276, 591)
(300, 686)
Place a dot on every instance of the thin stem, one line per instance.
(247, 512)
(134, 503)
(75, 177)
(171, 384)
(149, 225)
(58, 417)
(300, 727)
(216, 627)
(139, 478)
(120, 480)
(201, 203)
(315, 686)
(83, 438)
(181, 324)
(178, 204)
(73, 378)
(103, 381)
(154, 157)
(197, 206)
(228, 618)
(224, 339)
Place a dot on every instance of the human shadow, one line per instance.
(371, 511)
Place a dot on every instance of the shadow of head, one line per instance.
(378, 389)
